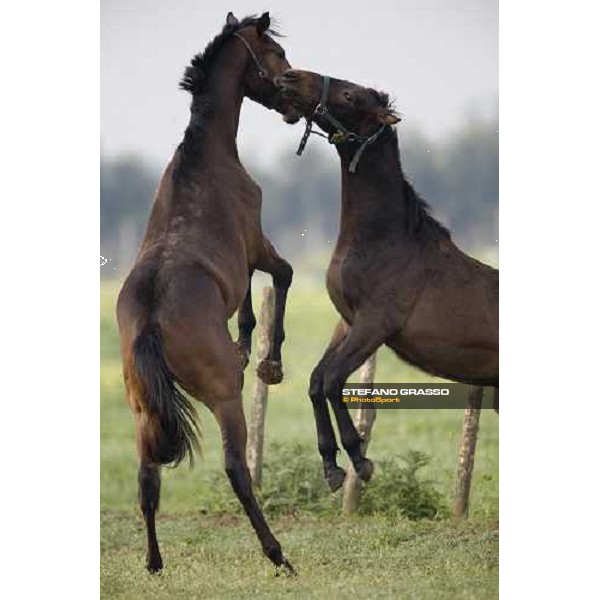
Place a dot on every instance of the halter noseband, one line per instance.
(342, 134)
(262, 73)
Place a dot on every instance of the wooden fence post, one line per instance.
(364, 419)
(466, 458)
(258, 410)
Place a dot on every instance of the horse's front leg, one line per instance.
(327, 444)
(362, 340)
(246, 325)
(269, 370)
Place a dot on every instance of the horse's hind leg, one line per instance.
(269, 370)
(148, 493)
(230, 416)
(246, 325)
(328, 447)
(215, 378)
(360, 343)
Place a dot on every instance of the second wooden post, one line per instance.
(258, 409)
(466, 458)
(364, 419)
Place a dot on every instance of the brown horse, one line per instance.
(193, 270)
(395, 277)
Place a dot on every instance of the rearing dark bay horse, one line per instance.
(204, 239)
(395, 276)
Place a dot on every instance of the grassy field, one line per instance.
(213, 553)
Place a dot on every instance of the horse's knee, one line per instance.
(247, 325)
(284, 275)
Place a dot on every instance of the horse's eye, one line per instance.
(347, 96)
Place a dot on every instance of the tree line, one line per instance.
(458, 176)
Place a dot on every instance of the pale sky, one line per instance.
(439, 59)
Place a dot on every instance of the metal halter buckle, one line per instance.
(337, 137)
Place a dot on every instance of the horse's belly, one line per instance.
(450, 333)
(476, 364)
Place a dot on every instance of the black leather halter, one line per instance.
(342, 134)
(262, 72)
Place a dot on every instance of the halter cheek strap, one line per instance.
(341, 135)
(363, 147)
(262, 72)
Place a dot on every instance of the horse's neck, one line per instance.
(225, 93)
(376, 195)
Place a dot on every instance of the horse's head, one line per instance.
(358, 109)
(268, 57)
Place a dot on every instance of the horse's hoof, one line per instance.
(269, 371)
(365, 471)
(243, 355)
(287, 568)
(155, 566)
(275, 555)
(335, 478)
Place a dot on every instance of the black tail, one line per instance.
(173, 420)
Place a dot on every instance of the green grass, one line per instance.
(212, 553)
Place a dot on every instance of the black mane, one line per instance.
(196, 74)
(195, 80)
(420, 219)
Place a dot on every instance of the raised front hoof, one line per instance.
(269, 371)
(243, 355)
(154, 566)
(365, 471)
(335, 478)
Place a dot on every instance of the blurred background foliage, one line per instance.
(457, 175)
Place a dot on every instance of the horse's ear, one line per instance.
(231, 19)
(263, 23)
(388, 118)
